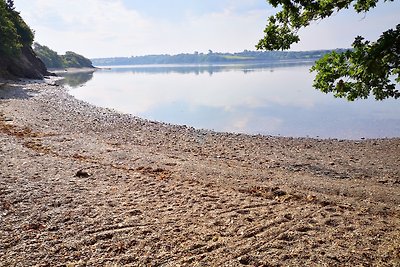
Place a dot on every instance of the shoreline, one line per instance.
(74, 70)
(87, 185)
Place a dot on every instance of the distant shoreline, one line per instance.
(214, 57)
(233, 63)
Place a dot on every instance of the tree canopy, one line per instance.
(74, 60)
(369, 67)
(49, 57)
(14, 32)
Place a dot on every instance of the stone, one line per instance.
(82, 174)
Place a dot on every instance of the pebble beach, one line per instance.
(87, 186)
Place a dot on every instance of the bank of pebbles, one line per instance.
(87, 186)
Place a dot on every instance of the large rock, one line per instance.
(26, 65)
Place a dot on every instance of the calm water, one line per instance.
(254, 99)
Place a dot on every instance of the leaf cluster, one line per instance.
(369, 67)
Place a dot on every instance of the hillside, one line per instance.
(52, 60)
(17, 59)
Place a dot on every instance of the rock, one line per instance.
(82, 174)
(244, 260)
(26, 65)
(278, 192)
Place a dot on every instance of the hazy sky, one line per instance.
(106, 28)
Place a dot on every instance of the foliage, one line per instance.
(369, 67)
(74, 60)
(49, 57)
(25, 33)
(353, 74)
(53, 60)
(10, 43)
(14, 32)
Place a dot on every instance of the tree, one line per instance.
(14, 32)
(49, 57)
(74, 60)
(369, 67)
(9, 39)
(53, 60)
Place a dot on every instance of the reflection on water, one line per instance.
(274, 99)
(210, 69)
(75, 79)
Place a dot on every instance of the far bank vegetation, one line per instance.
(52, 60)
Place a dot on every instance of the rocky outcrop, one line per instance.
(26, 65)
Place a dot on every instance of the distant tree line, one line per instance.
(212, 57)
(52, 60)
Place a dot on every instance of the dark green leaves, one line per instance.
(277, 37)
(368, 68)
(9, 39)
(14, 32)
(282, 28)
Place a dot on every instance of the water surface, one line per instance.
(269, 99)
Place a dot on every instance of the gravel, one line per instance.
(87, 186)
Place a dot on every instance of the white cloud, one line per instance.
(99, 28)
(90, 27)
(104, 28)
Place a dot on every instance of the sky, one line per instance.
(113, 28)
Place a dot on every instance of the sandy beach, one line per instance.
(87, 186)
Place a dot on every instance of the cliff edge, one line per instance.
(25, 65)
